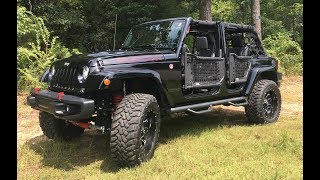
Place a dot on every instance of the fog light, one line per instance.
(67, 108)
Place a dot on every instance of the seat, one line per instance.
(238, 46)
(202, 47)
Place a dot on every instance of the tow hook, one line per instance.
(89, 125)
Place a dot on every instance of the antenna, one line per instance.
(115, 32)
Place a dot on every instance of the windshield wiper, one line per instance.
(145, 47)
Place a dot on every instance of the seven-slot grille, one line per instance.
(66, 79)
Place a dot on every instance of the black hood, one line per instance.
(111, 57)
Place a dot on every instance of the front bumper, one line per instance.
(67, 107)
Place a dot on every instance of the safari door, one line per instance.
(203, 64)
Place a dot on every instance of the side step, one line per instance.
(198, 112)
(238, 101)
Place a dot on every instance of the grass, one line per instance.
(217, 145)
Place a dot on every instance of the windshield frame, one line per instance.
(177, 48)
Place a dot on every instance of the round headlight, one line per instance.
(52, 70)
(85, 72)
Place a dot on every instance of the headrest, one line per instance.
(237, 41)
(201, 43)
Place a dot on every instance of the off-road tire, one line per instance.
(256, 110)
(130, 126)
(58, 129)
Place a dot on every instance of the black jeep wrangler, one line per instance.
(166, 66)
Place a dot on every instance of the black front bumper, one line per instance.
(68, 107)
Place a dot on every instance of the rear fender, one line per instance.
(258, 73)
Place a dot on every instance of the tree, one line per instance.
(37, 48)
(205, 10)
(87, 26)
(256, 16)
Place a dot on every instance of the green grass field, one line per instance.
(217, 145)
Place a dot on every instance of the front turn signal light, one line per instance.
(106, 82)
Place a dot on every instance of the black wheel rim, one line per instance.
(270, 104)
(148, 132)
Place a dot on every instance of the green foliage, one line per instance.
(37, 49)
(288, 13)
(288, 52)
(271, 26)
(79, 22)
(296, 14)
(26, 26)
(223, 10)
(276, 15)
(90, 25)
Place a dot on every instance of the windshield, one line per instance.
(155, 36)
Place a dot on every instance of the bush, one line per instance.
(36, 49)
(288, 52)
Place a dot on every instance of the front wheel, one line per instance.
(264, 102)
(135, 129)
(58, 129)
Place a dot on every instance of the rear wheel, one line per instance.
(135, 129)
(58, 129)
(264, 102)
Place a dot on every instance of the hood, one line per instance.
(112, 58)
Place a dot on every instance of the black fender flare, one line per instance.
(95, 81)
(264, 73)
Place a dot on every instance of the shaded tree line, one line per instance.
(89, 25)
(53, 29)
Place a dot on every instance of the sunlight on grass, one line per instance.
(217, 145)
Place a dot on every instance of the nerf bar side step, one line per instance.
(232, 101)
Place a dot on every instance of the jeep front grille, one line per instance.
(66, 79)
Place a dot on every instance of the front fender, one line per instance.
(258, 73)
(95, 80)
